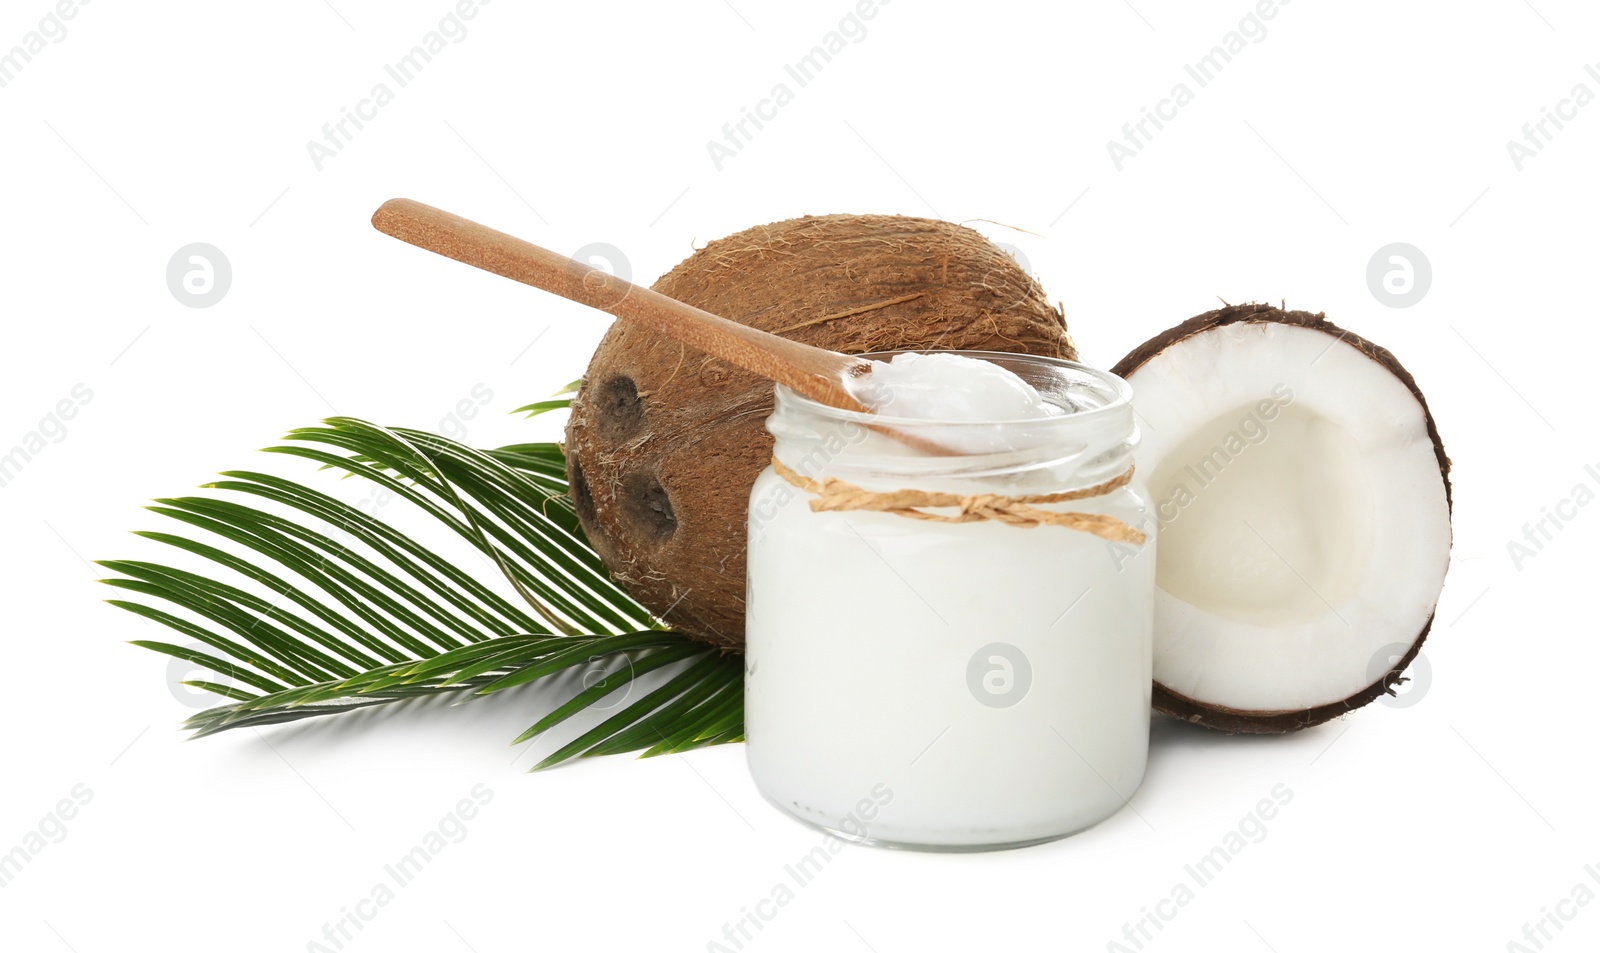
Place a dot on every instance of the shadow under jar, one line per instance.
(951, 685)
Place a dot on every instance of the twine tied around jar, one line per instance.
(833, 495)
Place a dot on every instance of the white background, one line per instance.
(1447, 824)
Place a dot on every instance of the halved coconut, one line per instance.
(1303, 510)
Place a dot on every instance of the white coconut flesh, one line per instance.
(1303, 519)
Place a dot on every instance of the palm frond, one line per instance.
(323, 608)
(561, 400)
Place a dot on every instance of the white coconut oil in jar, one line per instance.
(942, 684)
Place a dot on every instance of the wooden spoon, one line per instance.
(809, 371)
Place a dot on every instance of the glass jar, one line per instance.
(951, 685)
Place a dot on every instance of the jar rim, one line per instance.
(1099, 431)
(1119, 401)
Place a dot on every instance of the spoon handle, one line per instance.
(814, 372)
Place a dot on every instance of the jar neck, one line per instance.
(1092, 442)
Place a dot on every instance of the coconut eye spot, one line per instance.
(648, 508)
(1266, 522)
(578, 490)
(619, 411)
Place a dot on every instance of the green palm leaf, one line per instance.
(560, 401)
(319, 607)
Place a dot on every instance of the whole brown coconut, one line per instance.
(665, 442)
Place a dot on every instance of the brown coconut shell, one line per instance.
(665, 442)
(1276, 722)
